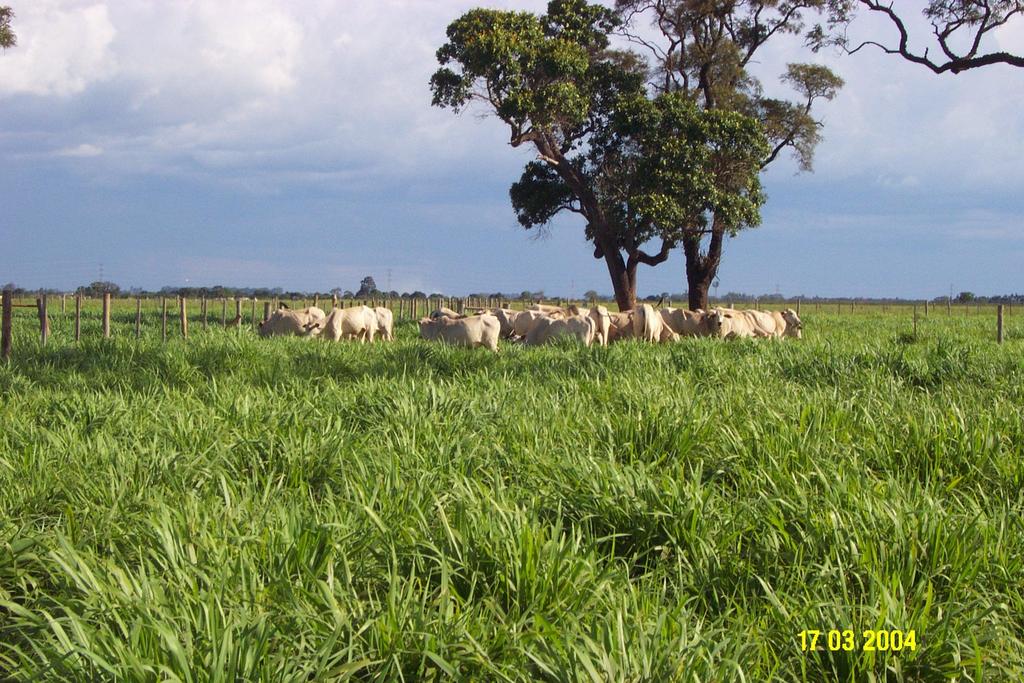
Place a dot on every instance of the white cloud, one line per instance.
(258, 92)
(62, 49)
(83, 150)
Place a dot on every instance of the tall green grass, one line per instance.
(235, 508)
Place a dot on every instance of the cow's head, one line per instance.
(794, 327)
(312, 329)
(717, 322)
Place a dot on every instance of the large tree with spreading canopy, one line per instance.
(632, 165)
(702, 51)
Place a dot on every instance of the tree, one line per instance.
(702, 53)
(691, 173)
(590, 295)
(958, 27)
(965, 297)
(553, 81)
(7, 36)
(367, 287)
(99, 288)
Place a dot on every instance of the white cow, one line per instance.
(445, 312)
(687, 323)
(385, 323)
(548, 329)
(479, 330)
(750, 323)
(283, 322)
(356, 322)
(507, 319)
(746, 323)
(648, 325)
(526, 320)
(553, 311)
(602, 321)
(788, 324)
(620, 326)
(602, 324)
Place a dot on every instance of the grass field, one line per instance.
(235, 508)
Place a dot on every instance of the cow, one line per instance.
(688, 323)
(445, 312)
(744, 323)
(385, 323)
(553, 311)
(602, 321)
(620, 325)
(548, 329)
(750, 323)
(507, 319)
(602, 324)
(788, 324)
(526, 320)
(648, 325)
(357, 322)
(480, 330)
(283, 321)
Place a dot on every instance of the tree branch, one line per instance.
(954, 63)
(660, 257)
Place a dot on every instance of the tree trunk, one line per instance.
(701, 268)
(623, 280)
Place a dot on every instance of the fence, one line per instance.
(404, 309)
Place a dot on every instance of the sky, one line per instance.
(292, 144)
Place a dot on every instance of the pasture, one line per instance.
(236, 508)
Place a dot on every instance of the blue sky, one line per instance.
(263, 143)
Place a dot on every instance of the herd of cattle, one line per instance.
(537, 325)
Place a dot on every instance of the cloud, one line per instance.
(61, 49)
(83, 150)
(254, 94)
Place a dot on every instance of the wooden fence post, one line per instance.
(238, 310)
(223, 312)
(78, 317)
(266, 311)
(44, 326)
(926, 309)
(163, 318)
(999, 324)
(798, 307)
(63, 307)
(106, 315)
(255, 323)
(138, 317)
(183, 312)
(5, 324)
(204, 314)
